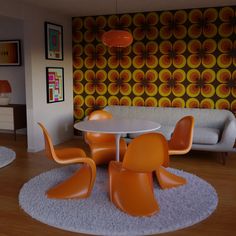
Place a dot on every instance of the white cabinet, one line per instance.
(13, 117)
(6, 118)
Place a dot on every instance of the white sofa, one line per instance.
(214, 130)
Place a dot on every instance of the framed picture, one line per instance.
(10, 53)
(55, 84)
(53, 41)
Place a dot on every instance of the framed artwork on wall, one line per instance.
(55, 84)
(10, 53)
(53, 41)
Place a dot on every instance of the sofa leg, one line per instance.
(223, 157)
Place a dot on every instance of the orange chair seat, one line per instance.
(182, 137)
(105, 152)
(130, 182)
(128, 193)
(103, 146)
(177, 148)
(81, 183)
(69, 153)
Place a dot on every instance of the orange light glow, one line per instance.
(117, 38)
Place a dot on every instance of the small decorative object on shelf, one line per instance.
(5, 92)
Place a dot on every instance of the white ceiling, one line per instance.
(104, 7)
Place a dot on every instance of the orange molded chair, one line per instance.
(182, 137)
(131, 183)
(103, 146)
(80, 184)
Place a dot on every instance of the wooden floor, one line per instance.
(15, 222)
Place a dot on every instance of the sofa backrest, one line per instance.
(211, 118)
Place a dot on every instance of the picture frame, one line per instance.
(55, 84)
(10, 53)
(53, 41)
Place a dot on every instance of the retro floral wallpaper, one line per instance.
(182, 58)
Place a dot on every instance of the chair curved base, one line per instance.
(79, 185)
(178, 151)
(132, 192)
(168, 180)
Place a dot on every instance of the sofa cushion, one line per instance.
(211, 118)
(205, 135)
(200, 135)
(165, 130)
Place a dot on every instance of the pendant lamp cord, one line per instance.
(117, 16)
(116, 8)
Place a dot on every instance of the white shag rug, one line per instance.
(179, 207)
(7, 156)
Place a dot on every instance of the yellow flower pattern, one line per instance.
(179, 58)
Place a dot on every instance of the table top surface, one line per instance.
(117, 126)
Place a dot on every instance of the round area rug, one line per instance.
(179, 207)
(6, 156)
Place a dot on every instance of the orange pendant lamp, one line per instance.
(117, 38)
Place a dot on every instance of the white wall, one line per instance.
(57, 117)
(12, 29)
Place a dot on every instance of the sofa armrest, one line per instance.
(229, 133)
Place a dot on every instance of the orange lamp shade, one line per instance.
(117, 38)
(5, 87)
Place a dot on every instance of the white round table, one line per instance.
(117, 127)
